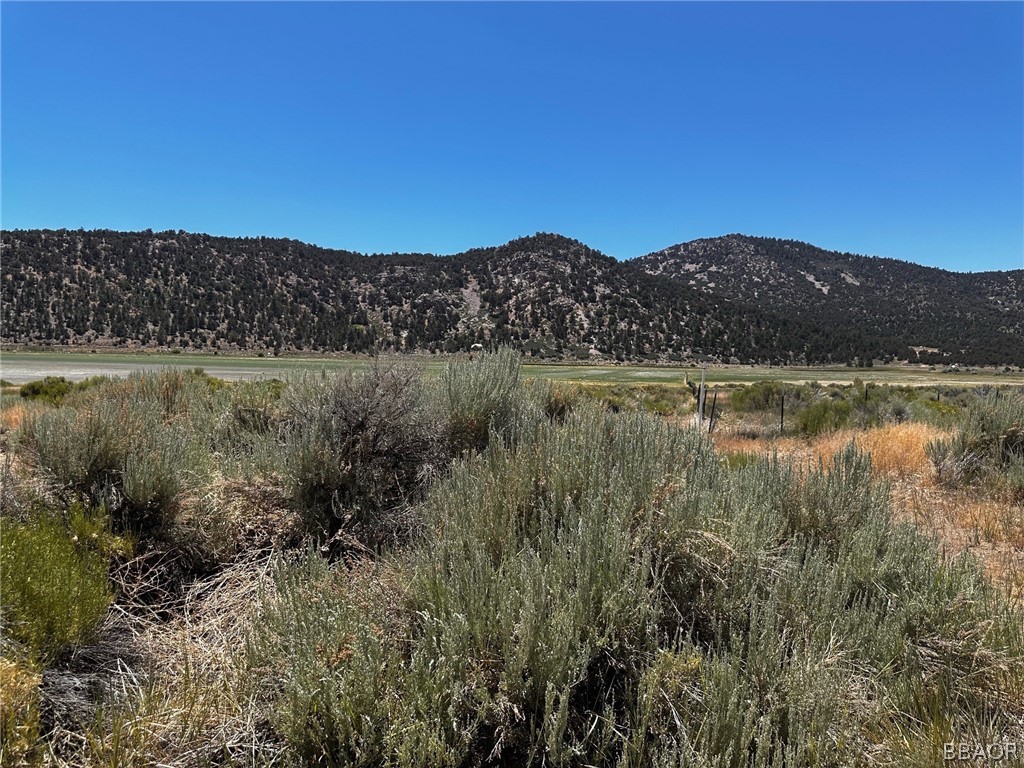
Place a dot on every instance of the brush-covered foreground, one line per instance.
(384, 569)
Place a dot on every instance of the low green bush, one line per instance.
(759, 396)
(55, 592)
(52, 389)
(825, 415)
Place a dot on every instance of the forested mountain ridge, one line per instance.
(975, 316)
(549, 295)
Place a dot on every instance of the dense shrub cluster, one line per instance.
(350, 452)
(200, 473)
(355, 450)
(134, 446)
(53, 389)
(607, 592)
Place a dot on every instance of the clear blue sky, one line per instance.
(878, 128)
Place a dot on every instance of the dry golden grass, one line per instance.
(732, 443)
(230, 516)
(11, 417)
(188, 708)
(19, 710)
(897, 450)
(992, 530)
(800, 452)
(989, 528)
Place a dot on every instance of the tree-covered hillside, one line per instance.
(942, 316)
(546, 294)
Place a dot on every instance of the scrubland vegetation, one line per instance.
(387, 569)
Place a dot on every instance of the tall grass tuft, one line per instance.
(480, 396)
(987, 446)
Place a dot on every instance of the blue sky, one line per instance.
(879, 128)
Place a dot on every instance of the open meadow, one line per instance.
(482, 563)
(22, 367)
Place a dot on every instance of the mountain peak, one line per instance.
(550, 243)
(542, 248)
